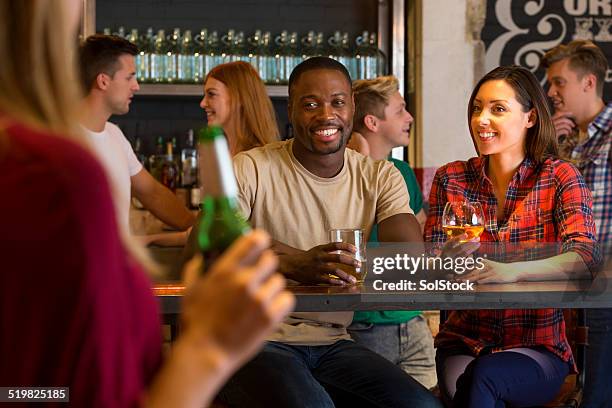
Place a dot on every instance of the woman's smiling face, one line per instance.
(216, 102)
(498, 122)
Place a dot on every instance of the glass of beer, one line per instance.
(355, 237)
(463, 217)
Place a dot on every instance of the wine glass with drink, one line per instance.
(463, 217)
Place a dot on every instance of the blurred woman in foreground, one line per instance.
(76, 309)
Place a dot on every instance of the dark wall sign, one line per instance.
(520, 32)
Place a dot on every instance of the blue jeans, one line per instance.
(598, 370)
(520, 377)
(408, 345)
(343, 374)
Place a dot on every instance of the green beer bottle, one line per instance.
(221, 222)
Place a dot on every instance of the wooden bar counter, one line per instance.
(595, 293)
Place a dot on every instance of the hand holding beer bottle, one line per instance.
(228, 312)
(226, 316)
(239, 301)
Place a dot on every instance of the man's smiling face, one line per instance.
(321, 111)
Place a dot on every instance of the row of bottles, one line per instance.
(171, 168)
(187, 58)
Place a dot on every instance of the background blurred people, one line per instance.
(109, 77)
(515, 357)
(293, 189)
(381, 122)
(76, 309)
(236, 99)
(583, 123)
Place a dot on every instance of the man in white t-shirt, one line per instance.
(109, 77)
(297, 190)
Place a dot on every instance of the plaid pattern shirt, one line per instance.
(593, 157)
(549, 202)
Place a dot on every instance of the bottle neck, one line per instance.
(218, 175)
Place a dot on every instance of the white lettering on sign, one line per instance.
(600, 7)
(575, 7)
(594, 7)
(604, 34)
(584, 29)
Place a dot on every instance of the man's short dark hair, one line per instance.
(100, 54)
(584, 58)
(316, 63)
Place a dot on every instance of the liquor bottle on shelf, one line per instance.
(293, 56)
(159, 146)
(282, 50)
(269, 58)
(158, 58)
(143, 59)
(186, 59)
(189, 163)
(308, 45)
(214, 56)
(320, 46)
(221, 222)
(366, 57)
(133, 36)
(195, 195)
(335, 50)
(120, 32)
(189, 171)
(240, 52)
(199, 56)
(107, 31)
(134, 39)
(176, 156)
(256, 53)
(172, 55)
(154, 161)
(381, 59)
(227, 46)
(339, 50)
(169, 169)
(348, 58)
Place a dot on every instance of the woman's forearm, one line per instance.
(191, 376)
(568, 265)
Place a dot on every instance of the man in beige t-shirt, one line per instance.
(297, 190)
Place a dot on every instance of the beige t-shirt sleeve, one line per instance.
(246, 178)
(393, 198)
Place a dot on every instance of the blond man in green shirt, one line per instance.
(381, 122)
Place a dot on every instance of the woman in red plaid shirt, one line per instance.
(489, 358)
